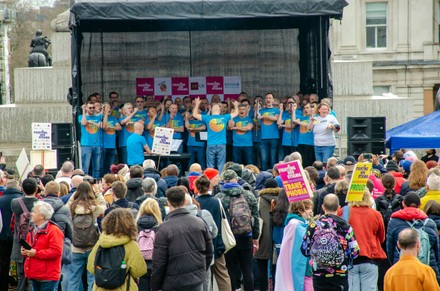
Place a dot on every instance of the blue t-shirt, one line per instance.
(269, 129)
(149, 135)
(127, 129)
(91, 135)
(110, 134)
(140, 115)
(194, 123)
(135, 149)
(305, 137)
(175, 124)
(115, 112)
(290, 137)
(216, 125)
(242, 138)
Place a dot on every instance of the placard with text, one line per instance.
(295, 182)
(358, 181)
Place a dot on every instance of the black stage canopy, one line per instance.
(310, 17)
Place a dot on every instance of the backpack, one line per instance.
(85, 230)
(326, 247)
(240, 214)
(110, 267)
(425, 246)
(145, 240)
(23, 222)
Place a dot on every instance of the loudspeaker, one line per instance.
(63, 154)
(61, 135)
(365, 128)
(355, 148)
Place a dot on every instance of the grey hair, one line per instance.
(12, 184)
(67, 167)
(295, 156)
(149, 185)
(45, 208)
(149, 164)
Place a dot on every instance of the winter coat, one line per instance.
(261, 178)
(436, 219)
(16, 209)
(134, 189)
(330, 189)
(171, 181)
(430, 195)
(48, 243)
(161, 184)
(206, 216)
(387, 206)
(249, 177)
(61, 216)
(399, 181)
(5, 206)
(399, 221)
(265, 243)
(182, 252)
(133, 258)
(233, 189)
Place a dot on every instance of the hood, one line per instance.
(152, 173)
(248, 176)
(269, 193)
(109, 240)
(12, 191)
(261, 178)
(396, 174)
(146, 222)
(134, 183)
(192, 209)
(171, 179)
(409, 213)
(55, 202)
(196, 174)
(291, 216)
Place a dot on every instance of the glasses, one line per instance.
(91, 107)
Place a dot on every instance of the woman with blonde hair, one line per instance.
(370, 234)
(119, 229)
(293, 269)
(416, 180)
(148, 219)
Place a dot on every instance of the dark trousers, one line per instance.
(243, 155)
(108, 158)
(263, 273)
(144, 281)
(335, 283)
(307, 153)
(5, 260)
(240, 257)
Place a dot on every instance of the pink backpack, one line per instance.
(145, 241)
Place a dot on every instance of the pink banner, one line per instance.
(144, 86)
(214, 85)
(294, 181)
(180, 85)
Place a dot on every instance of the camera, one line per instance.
(367, 156)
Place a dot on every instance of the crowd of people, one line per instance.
(157, 229)
(250, 130)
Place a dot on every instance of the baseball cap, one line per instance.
(228, 175)
(349, 161)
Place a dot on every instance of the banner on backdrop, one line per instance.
(358, 181)
(295, 182)
(227, 87)
(163, 140)
(41, 136)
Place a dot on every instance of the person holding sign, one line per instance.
(324, 127)
(136, 144)
(216, 124)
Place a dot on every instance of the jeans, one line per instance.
(76, 268)
(91, 155)
(44, 285)
(363, 277)
(257, 157)
(108, 158)
(216, 156)
(197, 155)
(268, 153)
(243, 155)
(240, 258)
(323, 153)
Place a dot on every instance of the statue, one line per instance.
(39, 57)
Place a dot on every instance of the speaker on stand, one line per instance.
(62, 142)
(366, 135)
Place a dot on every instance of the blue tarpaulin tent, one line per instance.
(420, 133)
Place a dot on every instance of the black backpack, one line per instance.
(110, 268)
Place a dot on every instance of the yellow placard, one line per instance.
(358, 181)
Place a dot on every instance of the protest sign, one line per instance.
(41, 136)
(358, 182)
(295, 182)
(163, 139)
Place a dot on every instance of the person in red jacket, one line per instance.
(370, 233)
(393, 169)
(43, 261)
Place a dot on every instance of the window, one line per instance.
(376, 24)
(379, 90)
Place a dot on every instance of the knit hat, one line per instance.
(210, 173)
(392, 166)
(406, 165)
(270, 183)
(411, 199)
(115, 169)
(228, 175)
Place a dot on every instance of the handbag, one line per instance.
(227, 236)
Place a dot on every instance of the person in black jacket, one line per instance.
(182, 248)
(134, 184)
